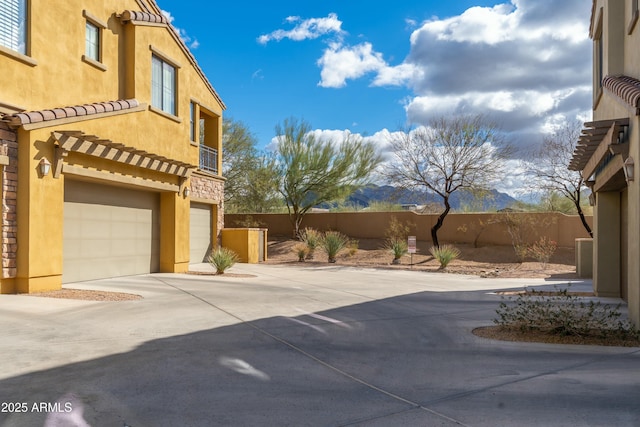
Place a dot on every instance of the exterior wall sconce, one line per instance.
(592, 199)
(629, 169)
(186, 192)
(45, 166)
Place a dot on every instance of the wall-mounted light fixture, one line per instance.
(45, 166)
(629, 169)
(592, 199)
(186, 192)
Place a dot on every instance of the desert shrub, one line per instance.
(562, 313)
(311, 238)
(352, 247)
(521, 228)
(398, 247)
(445, 254)
(332, 242)
(396, 236)
(222, 259)
(542, 250)
(301, 250)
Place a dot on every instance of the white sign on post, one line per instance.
(411, 243)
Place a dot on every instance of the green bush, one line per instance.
(561, 313)
(222, 259)
(445, 254)
(332, 243)
(398, 247)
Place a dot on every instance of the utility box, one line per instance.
(584, 258)
(250, 244)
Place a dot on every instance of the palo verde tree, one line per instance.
(252, 177)
(449, 154)
(549, 167)
(314, 171)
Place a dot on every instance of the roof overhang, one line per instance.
(600, 153)
(78, 142)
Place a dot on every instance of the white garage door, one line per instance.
(200, 232)
(109, 231)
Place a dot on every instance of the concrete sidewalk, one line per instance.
(316, 346)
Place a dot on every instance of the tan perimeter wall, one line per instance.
(487, 228)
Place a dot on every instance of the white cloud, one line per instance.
(304, 29)
(186, 39)
(339, 63)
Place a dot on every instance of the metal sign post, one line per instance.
(411, 245)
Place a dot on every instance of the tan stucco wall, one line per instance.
(55, 75)
(245, 242)
(457, 228)
(616, 247)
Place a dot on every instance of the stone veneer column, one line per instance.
(9, 147)
(209, 188)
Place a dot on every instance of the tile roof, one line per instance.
(28, 117)
(132, 15)
(626, 88)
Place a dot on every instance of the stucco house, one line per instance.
(110, 143)
(609, 148)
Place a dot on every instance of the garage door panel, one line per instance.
(109, 231)
(201, 232)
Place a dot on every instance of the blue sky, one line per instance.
(345, 65)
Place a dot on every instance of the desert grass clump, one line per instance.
(352, 247)
(222, 259)
(311, 238)
(445, 254)
(301, 250)
(398, 247)
(332, 243)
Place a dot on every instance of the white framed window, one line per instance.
(13, 25)
(92, 42)
(163, 85)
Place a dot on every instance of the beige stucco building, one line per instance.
(609, 148)
(110, 143)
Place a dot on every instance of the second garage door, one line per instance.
(109, 231)
(200, 232)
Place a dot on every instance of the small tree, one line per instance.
(315, 171)
(549, 167)
(450, 154)
(251, 176)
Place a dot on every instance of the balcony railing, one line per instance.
(208, 159)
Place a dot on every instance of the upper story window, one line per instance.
(92, 41)
(598, 59)
(163, 85)
(193, 124)
(13, 25)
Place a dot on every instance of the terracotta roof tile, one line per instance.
(28, 117)
(133, 15)
(624, 87)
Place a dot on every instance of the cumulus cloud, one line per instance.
(526, 64)
(304, 29)
(186, 39)
(528, 58)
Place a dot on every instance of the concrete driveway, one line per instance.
(298, 346)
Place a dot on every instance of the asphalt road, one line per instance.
(298, 346)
